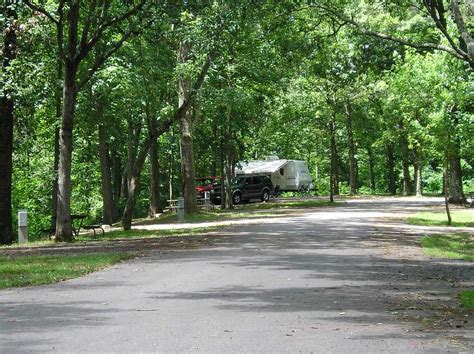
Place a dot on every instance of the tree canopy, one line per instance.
(112, 108)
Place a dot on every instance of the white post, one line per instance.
(207, 200)
(181, 209)
(22, 226)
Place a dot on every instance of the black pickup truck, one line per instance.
(245, 188)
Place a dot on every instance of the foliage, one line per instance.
(282, 73)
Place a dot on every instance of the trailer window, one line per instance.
(282, 171)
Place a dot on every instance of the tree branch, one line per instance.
(436, 11)
(106, 54)
(39, 9)
(458, 19)
(60, 30)
(104, 25)
(454, 50)
(87, 24)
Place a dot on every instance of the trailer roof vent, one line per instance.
(272, 158)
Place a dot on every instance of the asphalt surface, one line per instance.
(311, 283)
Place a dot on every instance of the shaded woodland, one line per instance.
(111, 108)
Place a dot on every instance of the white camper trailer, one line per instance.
(286, 175)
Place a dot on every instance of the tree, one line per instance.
(9, 50)
(81, 34)
(430, 15)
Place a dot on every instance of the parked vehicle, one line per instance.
(246, 188)
(286, 175)
(205, 184)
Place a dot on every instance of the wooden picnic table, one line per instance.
(173, 204)
(80, 218)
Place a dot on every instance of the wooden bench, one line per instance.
(76, 226)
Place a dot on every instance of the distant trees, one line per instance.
(152, 95)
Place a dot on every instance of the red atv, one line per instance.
(205, 184)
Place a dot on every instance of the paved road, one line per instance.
(311, 283)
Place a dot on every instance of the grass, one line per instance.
(287, 204)
(131, 234)
(455, 246)
(467, 299)
(460, 218)
(38, 270)
(213, 215)
(245, 211)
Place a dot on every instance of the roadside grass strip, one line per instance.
(287, 204)
(211, 216)
(460, 218)
(136, 234)
(38, 270)
(246, 211)
(467, 299)
(454, 246)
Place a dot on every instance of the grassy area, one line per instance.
(245, 211)
(467, 299)
(456, 246)
(130, 234)
(460, 218)
(37, 270)
(210, 216)
(288, 204)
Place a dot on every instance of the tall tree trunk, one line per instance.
(446, 189)
(9, 51)
(392, 184)
(229, 161)
(417, 167)
(133, 186)
(370, 153)
(215, 152)
(63, 216)
(54, 192)
(117, 176)
(405, 165)
(109, 211)
(132, 141)
(134, 183)
(352, 152)
(170, 180)
(155, 198)
(334, 180)
(222, 173)
(188, 174)
(456, 194)
(228, 182)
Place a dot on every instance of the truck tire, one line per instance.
(236, 198)
(265, 195)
